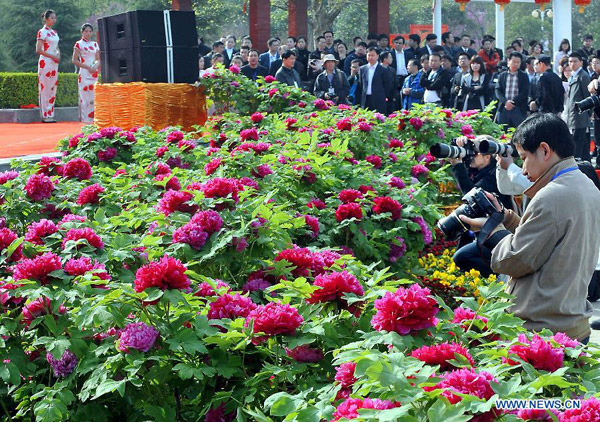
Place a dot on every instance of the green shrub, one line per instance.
(17, 89)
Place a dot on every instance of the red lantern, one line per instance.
(543, 3)
(463, 3)
(582, 4)
(502, 3)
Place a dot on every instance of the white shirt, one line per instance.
(370, 73)
(272, 58)
(229, 52)
(400, 64)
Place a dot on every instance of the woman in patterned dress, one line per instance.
(47, 47)
(86, 56)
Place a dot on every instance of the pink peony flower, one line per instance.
(90, 194)
(406, 310)
(221, 187)
(49, 166)
(349, 195)
(192, 234)
(466, 130)
(385, 204)
(212, 166)
(78, 168)
(167, 273)
(137, 336)
(38, 268)
(173, 201)
(81, 266)
(107, 155)
(317, 203)
(160, 151)
(375, 160)
(344, 374)
(344, 124)
(589, 411)
(350, 407)
(39, 187)
(536, 415)
(348, 211)
(538, 352)
(262, 171)
(234, 69)
(364, 126)
(304, 354)
(257, 117)
(7, 237)
(83, 233)
(269, 79)
(206, 290)
(334, 286)
(466, 381)
(418, 169)
(441, 354)
(313, 223)
(565, 341)
(272, 319)
(38, 230)
(8, 175)
(172, 182)
(231, 307)
(416, 123)
(174, 136)
(247, 134)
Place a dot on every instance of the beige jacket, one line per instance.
(552, 252)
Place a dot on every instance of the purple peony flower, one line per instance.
(64, 366)
(138, 336)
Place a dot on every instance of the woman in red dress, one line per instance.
(47, 47)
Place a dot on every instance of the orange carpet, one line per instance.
(18, 139)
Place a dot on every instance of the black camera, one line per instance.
(476, 204)
(491, 147)
(440, 150)
(589, 103)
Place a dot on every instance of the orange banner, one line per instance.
(157, 105)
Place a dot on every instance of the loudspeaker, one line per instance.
(143, 46)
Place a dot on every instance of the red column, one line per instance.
(182, 5)
(297, 18)
(379, 16)
(260, 23)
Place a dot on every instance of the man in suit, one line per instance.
(230, 50)
(512, 91)
(550, 93)
(360, 53)
(332, 84)
(400, 58)
(376, 83)
(253, 70)
(270, 56)
(463, 68)
(435, 81)
(578, 122)
(430, 43)
(414, 41)
(448, 44)
(385, 60)
(287, 74)
(297, 64)
(465, 45)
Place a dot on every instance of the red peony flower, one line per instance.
(257, 117)
(38, 268)
(269, 79)
(300, 258)
(172, 183)
(81, 266)
(589, 411)
(416, 123)
(375, 160)
(349, 195)
(538, 352)
(174, 136)
(304, 354)
(348, 211)
(7, 237)
(317, 203)
(385, 204)
(167, 273)
(221, 187)
(272, 319)
(212, 166)
(440, 354)
(247, 134)
(39, 187)
(206, 290)
(344, 124)
(466, 381)
(78, 168)
(50, 166)
(231, 307)
(90, 194)
(334, 286)
(344, 374)
(406, 310)
(395, 143)
(83, 233)
(173, 200)
(38, 230)
(349, 408)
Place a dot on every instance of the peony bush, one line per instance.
(265, 267)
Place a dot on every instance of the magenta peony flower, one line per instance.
(300, 258)
(304, 354)
(565, 341)
(538, 352)
(589, 411)
(110, 132)
(231, 307)
(466, 130)
(344, 124)
(385, 204)
(234, 69)
(8, 175)
(74, 141)
(7, 237)
(35, 309)
(364, 126)
(64, 366)
(375, 160)
(36, 231)
(257, 117)
(49, 166)
(427, 236)
(71, 217)
(172, 183)
(83, 233)
(463, 314)
(221, 187)
(210, 221)
(465, 381)
(38, 268)
(255, 284)
(418, 170)
(269, 79)
(173, 200)
(348, 211)
(349, 408)
(107, 155)
(206, 290)
(397, 249)
(160, 151)
(416, 123)
(81, 266)
(217, 414)
(78, 168)
(39, 187)
(320, 104)
(174, 136)
(192, 234)
(262, 171)
(137, 336)
(317, 203)
(167, 273)
(344, 374)
(212, 166)
(349, 195)
(440, 354)
(537, 415)
(90, 194)
(251, 133)
(334, 286)
(313, 223)
(272, 319)
(395, 143)
(406, 310)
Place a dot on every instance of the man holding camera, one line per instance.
(480, 172)
(332, 84)
(551, 251)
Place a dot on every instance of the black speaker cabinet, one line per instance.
(137, 47)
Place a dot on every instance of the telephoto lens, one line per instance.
(491, 147)
(476, 204)
(440, 150)
(588, 104)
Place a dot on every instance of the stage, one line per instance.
(21, 139)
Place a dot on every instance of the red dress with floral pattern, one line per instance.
(87, 79)
(47, 72)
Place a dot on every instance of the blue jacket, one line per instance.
(264, 60)
(417, 91)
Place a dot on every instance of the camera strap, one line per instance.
(492, 222)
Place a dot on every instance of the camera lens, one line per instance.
(440, 150)
(452, 226)
(588, 104)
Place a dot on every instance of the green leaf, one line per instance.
(281, 404)
(443, 411)
(14, 245)
(109, 386)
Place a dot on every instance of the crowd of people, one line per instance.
(452, 73)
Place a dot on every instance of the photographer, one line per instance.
(332, 84)
(552, 250)
(480, 172)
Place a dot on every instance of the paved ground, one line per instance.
(18, 139)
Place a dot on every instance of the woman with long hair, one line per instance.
(474, 85)
(341, 52)
(86, 56)
(47, 48)
(563, 51)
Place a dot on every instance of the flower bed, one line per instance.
(263, 268)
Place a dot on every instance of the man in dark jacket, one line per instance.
(359, 53)
(578, 91)
(436, 81)
(550, 94)
(332, 84)
(376, 83)
(512, 91)
(287, 74)
(253, 70)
